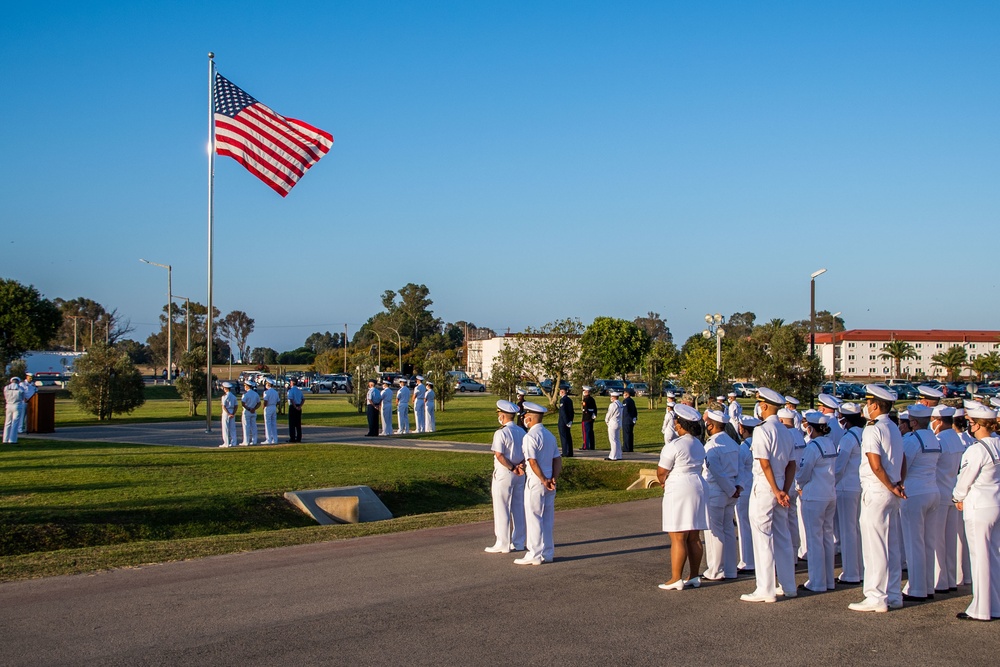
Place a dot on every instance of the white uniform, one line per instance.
(613, 419)
(418, 405)
(539, 504)
(795, 528)
(721, 472)
(946, 517)
(229, 404)
(816, 478)
(250, 401)
(880, 532)
(430, 423)
(508, 489)
(964, 576)
(847, 471)
(29, 390)
(386, 411)
(774, 556)
(921, 450)
(685, 493)
(978, 488)
(743, 507)
(403, 409)
(667, 429)
(13, 395)
(735, 411)
(271, 399)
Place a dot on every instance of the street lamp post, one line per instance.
(834, 378)
(812, 320)
(379, 350)
(399, 348)
(170, 318)
(715, 323)
(187, 318)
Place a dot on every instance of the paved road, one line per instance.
(433, 597)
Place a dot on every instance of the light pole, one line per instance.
(812, 321)
(379, 350)
(187, 318)
(715, 323)
(399, 348)
(170, 317)
(834, 326)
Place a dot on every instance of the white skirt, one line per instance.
(685, 503)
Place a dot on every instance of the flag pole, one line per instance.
(211, 238)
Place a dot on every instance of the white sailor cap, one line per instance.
(402, 381)
(386, 382)
(521, 392)
(930, 392)
(586, 388)
(720, 398)
(613, 393)
(15, 379)
(770, 396)
(250, 383)
(731, 394)
(671, 394)
(670, 403)
(959, 412)
(943, 411)
(816, 417)
(879, 392)
(750, 422)
(430, 384)
(970, 404)
(687, 413)
(981, 412)
(269, 381)
(829, 401)
(995, 401)
(29, 374)
(508, 407)
(534, 407)
(850, 409)
(785, 413)
(791, 400)
(903, 416)
(227, 385)
(716, 416)
(420, 377)
(919, 410)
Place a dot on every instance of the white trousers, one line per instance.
(963, 561)
(982, 529)
(849, 516)
(948, 523)
(539, 511)
(880, 547)
(795, 526)
(12, 418)
(743, 531)
(249, 428)
(772, 543)
(508, 509)
(22, 427)
(817, 517)
(720, 539)
(418, 414)
(615, 438)
(271, 424)
(228, 429)
(918, 542)
(386, 418)
(403, 417)
(430, 423)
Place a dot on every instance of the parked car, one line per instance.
(842, 390)
(669, 385)
(331, 383)
(744, 389)
(465, 384)
(640, 388)
(905, 391)
(532, 389)
(607, 386)
(563, 384)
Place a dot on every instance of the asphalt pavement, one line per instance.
(433, 597)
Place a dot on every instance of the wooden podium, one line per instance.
(41, 415)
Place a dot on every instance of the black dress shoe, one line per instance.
(952, 589)
(962, 616)
(848, 583)
(940, 591)
(913, 598)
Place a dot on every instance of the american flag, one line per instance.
(275, 149)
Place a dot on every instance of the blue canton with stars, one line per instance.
(229, 99)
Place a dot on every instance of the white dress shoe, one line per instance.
(496, 550)
(676, 586)
(868, 605)
(754, 597)
(693, 582)
(527, 561)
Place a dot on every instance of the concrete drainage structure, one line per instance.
(342, 504)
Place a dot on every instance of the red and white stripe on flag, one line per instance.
(275, 149)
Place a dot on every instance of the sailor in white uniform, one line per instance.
(795, 527)
(29, 388)
(792, 405)
(921, 450)
(613, 419)
(667, 429)
(270, 402)
(229, 404)
(418, 403)
(747, 425)
(385, 408)
(773, 477)
(507, 488)
(403, 407)
(945, 517)
(816, 478)
(977, 496)
(929, 396)
(250, 400)
(734, 411)
(721, 473)
(13, 395)
(882, 490)
(544, 463)
(847, 472)
(830, 406)
(430, 422)
(964, 567)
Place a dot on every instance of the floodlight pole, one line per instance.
(812, 322)
(170, 318)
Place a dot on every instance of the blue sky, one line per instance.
(526, 161)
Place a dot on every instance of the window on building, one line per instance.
(850, 357)
(939, 345)
(872, 344)
(872, 371)
(871, 357)
(850, 345)
(851, 371)
(919, 345)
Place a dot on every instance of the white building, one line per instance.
(856, 352)
(482, 354)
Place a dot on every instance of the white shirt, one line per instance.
(374, 396)
(847, 468)
(229, 403)
(614, 414)
(745, 479)
(403, 395)
(429, 398)
(539, 444)
(508, 441)
(250, 400)
(949, 462)
(884, 439)
(921, 450)
(772, 442)
(722, 463)
(979, 478)
(29, 390)
(815, 475)
(13, 395)
(668, 426)
(735, 412)
(272, 398)
(387, 399)
(418, 393)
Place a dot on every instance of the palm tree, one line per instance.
(897, 350)
(951, 360)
